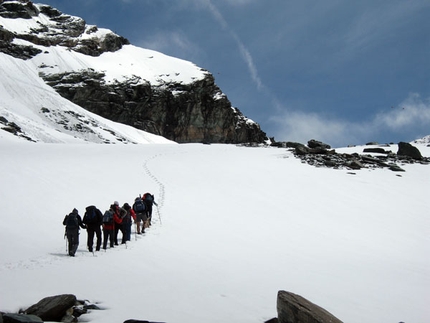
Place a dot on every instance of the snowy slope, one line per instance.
(45, 116)
(234, 225)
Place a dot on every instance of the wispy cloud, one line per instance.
(245, 53)
(382, 22)
(412, 114)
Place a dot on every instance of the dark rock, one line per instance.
(293, 308)
(274, 320)
(320, 151)
(317, 144)
(52, 308)
(355, 164)
(395, 168)
(375, 150)
(15, 9)
(406, 149)
(292, 144)
(301, 150)
(21, 318)
(330, 163)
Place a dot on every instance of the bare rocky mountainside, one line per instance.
(105, 74)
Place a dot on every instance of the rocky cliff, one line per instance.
(77, 60)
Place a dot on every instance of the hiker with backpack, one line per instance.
(108, 227)
(119, 213)
(149, 200)
(127, 220)
(72, 222)
(93, 218)
(139, 207)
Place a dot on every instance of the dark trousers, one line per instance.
(91, 231)
(73, 240)
(149, 212)
(118, 227)
(107, 234)
(127, 231)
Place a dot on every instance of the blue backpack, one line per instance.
(108, 217)
(139, 206)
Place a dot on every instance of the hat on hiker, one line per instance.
(116, 203)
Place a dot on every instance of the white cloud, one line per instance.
(411, 119)
(301, 127)
(414, 111)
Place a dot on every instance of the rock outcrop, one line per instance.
(192, 111)
(319, 154)
(293, 308)
(185, 113)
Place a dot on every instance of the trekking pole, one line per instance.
(158, 212)
(135, 232)
(65, 234)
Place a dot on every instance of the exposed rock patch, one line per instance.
(320, 155)
(180, 112)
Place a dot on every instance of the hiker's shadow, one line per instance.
(59, 254)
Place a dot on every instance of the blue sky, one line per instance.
(344, 72)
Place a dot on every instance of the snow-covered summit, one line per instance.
(103, 73)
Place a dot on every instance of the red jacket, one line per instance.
(133, 214)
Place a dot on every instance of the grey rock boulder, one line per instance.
(293, 308)
(52, 308)
(406, 149)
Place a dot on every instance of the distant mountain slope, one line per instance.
(101, 72)
(32, 110)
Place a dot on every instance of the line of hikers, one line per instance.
(112, 221)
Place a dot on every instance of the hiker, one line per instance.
(149, 200)
(72, 222)
(117, 219)
(108, 227)
(93, 218)
(127, 220)
(139, 208)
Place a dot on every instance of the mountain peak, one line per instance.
(103, 73)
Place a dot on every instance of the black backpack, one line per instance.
(139, 206)
(90, 215)
(149, 198)
(108, 217)
(72, 221)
